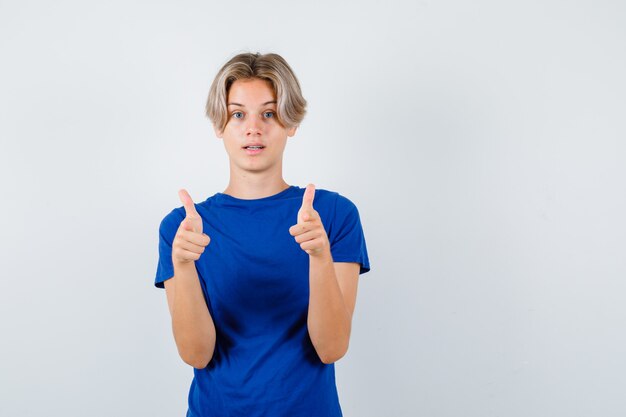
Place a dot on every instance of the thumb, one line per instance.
(190, 208)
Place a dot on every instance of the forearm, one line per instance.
(192, 324)
(329, 321)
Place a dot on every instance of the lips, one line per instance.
(253, 148)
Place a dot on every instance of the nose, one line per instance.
(253, 126)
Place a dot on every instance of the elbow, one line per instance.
(197, 361)
(200, 364)
(328, 356)
(330, 349)
(195, 351)
(198, 358)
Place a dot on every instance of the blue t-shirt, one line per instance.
(255, 279)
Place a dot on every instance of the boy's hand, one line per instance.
(309, 231)
(189, 242)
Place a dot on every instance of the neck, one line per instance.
(248, 186)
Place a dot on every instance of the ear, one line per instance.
(219, 133)
(292, 131)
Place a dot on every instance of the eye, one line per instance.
(268, 114)
(237, 114)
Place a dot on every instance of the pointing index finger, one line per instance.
(190, 208)
(308, 196)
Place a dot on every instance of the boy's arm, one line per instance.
(192, 324)
(332, 297)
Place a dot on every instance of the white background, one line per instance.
(483, 142)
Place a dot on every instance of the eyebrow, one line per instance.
(241, 105)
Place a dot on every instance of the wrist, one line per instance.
(322, 255)
(183, 265)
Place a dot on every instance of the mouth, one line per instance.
(254, 149)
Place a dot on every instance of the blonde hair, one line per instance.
(291, 106)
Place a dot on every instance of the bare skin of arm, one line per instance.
(192, 324)
(332, 285)
(332, 296)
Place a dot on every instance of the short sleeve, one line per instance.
(167, 231)
(347, 240)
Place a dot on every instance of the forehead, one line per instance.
(251, 92)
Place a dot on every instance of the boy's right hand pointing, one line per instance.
(189, 242)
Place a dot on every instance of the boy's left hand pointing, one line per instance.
(309, 231)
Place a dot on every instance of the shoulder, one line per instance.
(174, 216)
(337, 211)
(339, 202)
(171, 221)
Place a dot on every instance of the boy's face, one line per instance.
(253, 137)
